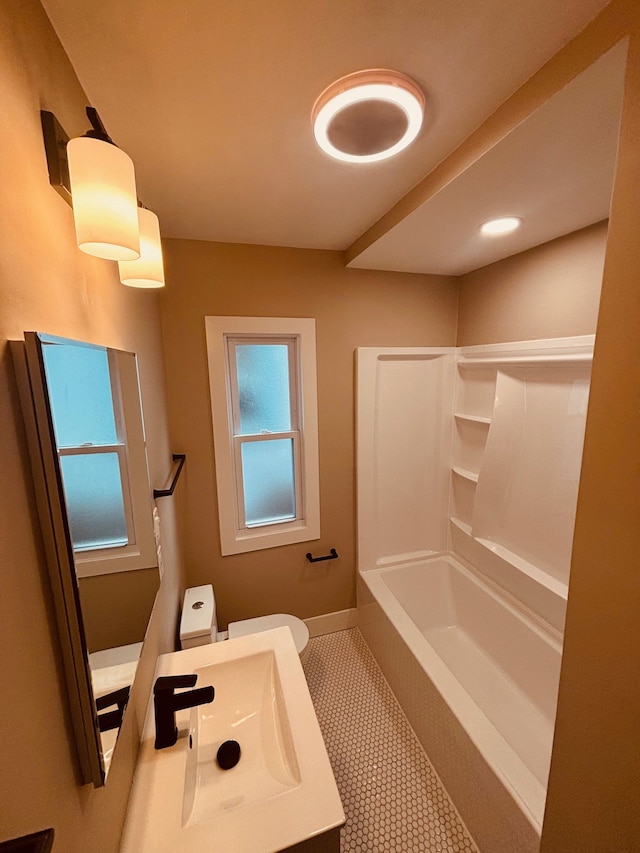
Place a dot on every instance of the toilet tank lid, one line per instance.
(198, 612)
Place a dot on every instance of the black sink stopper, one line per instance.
(228, 754)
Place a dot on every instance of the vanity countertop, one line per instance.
(282, 792)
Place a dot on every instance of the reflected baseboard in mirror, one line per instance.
(83, 417)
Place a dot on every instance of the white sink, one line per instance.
(280, 793)
(249, 708)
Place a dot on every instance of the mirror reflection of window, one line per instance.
(95, 501)
(94, 400)
(90, 442)
(81, 397)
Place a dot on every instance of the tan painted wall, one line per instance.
(594, 786)
(550, 291)
(116, 607)
(352, 308)
(46, 284)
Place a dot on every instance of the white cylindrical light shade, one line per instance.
(105, 206)
(147, 270)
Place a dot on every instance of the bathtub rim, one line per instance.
(525, 789)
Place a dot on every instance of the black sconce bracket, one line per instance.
(98, 129)
(55, 146)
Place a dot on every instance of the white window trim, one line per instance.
(233, 538)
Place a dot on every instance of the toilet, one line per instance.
(199, 624)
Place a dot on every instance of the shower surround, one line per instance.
(468, 468)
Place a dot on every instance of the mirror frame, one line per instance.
(60, 556)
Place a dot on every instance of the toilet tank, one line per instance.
(198, 625)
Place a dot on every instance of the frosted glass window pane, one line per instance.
(263, 388)
(80, 394)
(95, 506)
(267, 475)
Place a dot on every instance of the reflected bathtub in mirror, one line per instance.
(83, 416)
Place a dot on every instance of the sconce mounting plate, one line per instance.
(55, 145)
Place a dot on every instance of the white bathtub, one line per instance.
(478, 681)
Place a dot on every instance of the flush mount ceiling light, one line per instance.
(368, 115)
(502, 225)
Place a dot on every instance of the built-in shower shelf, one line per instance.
(461, 525)
(541, 577)
(463, 472)
(498, 361)
(538, 591)
(473, 419)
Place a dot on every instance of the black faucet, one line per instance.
(112, 719)
(166, 703)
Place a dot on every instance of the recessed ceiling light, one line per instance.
(503, 225)
(368, 115)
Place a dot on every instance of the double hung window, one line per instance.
(99, 438)
(263, 396)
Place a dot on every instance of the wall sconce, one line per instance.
(97, 178)
(147, 270)
(103, 189)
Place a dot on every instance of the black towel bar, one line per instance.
(333, 555)
(165, 493)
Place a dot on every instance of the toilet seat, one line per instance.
(276, 620)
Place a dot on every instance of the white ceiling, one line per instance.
(213, 100)
(555, 171)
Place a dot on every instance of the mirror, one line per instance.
(83, 415)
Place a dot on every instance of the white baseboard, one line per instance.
(330, 622)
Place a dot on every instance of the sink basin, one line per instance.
(280, 795)
(248, 708)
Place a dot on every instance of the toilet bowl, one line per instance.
(199, 626)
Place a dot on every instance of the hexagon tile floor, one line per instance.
(392, 798)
